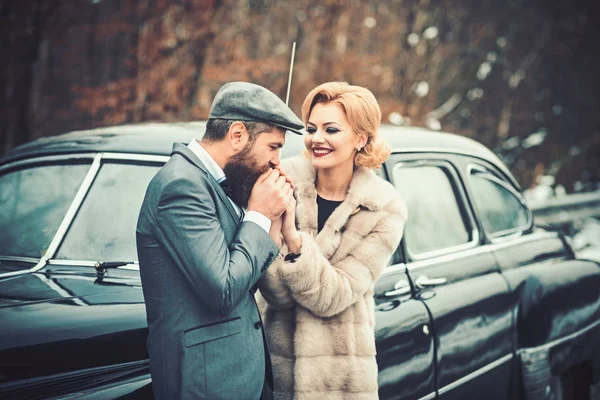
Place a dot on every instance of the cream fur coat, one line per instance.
(319, 311)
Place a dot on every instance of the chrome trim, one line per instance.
(134, 266)
(557, 342)
(503, 168)
(446, 250)
(428, 397)
(462, 201)
(135, 157)
(72, 263)
(40, 264)
(401, 287)
(506, 235)
(532, 237)
(424, 282)
(21, 259)
(67, 219)
(415, 265)
(475, 374)
(400, 267)
(43, 159)
(70, 215)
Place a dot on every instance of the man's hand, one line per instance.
(287, 178)
(271, 194)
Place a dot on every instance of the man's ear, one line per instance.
(237, 136)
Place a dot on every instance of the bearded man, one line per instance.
(203, 242)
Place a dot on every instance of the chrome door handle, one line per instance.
(424, 282)
(401, 287)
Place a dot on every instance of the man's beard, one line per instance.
(242, 172)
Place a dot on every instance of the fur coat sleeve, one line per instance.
(272, 287)
(327, 288)
(338, 266)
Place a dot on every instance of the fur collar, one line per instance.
(367, 191)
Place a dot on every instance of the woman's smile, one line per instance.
(321, 151)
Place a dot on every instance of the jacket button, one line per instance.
(257, 325)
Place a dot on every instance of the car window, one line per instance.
(104, 228)
(435, 220)
(33, 203)
(500, 209)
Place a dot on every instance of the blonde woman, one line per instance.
(317, 298)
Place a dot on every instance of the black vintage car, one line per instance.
(477, 302)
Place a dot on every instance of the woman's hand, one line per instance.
(275, 231)
(288, 228)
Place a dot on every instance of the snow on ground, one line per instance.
(586, 242)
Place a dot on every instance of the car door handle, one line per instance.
(424, 282)
(401, 287)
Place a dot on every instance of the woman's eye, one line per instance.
(332, 130)
(310, 130)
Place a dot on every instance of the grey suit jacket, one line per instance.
(198, 263)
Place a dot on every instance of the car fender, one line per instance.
(555, 300)
(557, 319)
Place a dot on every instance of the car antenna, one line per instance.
(289, 85)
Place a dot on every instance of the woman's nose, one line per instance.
(318, 136)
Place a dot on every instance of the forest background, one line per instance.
(520, 76)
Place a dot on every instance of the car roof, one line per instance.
(158, 138)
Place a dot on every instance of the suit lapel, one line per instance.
(185, 152)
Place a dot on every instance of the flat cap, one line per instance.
(245, 101)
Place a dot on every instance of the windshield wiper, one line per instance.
(102, 266)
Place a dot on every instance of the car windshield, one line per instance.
(104, 228)
(33, 202)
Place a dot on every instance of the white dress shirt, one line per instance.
(217, 173)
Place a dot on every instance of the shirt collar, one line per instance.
(209, 162)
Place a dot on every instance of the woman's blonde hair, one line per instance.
(363, 113)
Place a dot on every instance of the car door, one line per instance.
(405, 348)
(455, 275)
(405, 353)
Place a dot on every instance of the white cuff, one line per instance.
(258, 219)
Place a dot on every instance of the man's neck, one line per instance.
(216, 151)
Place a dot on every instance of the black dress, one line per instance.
(325, 208)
